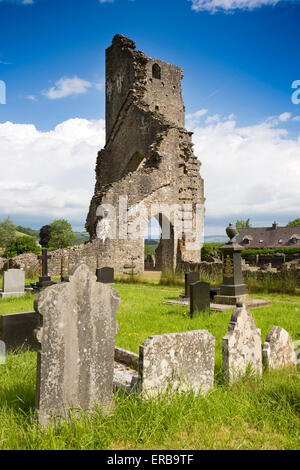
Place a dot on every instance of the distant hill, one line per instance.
(81, 237)
(20, 234)
(215, 239)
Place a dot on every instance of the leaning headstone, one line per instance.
(105, 275)
(190, 278)
(2, 353)
(13, 283)
(16, 330)
(278, 350)
(241, 347)
(77, 340)
(199, 298)
(182, 361)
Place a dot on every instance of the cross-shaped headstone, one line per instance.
(44, 257)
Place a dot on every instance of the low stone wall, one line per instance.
(3, 261)
(94, 254)
(275, 259)
(205, 268)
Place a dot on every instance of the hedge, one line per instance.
(269, 251)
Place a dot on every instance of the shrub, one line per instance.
(266, 251)
(22, 245)
(207, 248)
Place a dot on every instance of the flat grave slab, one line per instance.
(218, 307)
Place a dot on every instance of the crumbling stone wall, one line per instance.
(148, 156)
(275, 259)
(90, 253)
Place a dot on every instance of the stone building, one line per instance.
(269, 237)
(148, 161)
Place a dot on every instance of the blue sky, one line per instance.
(239, 66)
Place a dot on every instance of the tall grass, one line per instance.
(283, 282)
(171, 278)
(251, 414)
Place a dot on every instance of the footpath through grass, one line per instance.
(250, 415)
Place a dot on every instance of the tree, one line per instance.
(242, 224)
(7, 232)
(61, 235)
(294, 223)
(22, 245)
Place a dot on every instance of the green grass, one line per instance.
(263, 414)
(150, 250)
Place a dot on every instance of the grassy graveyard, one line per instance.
(252, 414)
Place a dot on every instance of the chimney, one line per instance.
(274, 225)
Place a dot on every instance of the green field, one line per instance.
(263, 414)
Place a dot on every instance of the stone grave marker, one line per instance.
(190, 278)
(105, 275)
(183, 361)
(13, 283)
(2, 353)
(233, 290)
(44, 279)
(278, 350)
(16, 330)
(77, 339)
(199, 298)
(241, 347)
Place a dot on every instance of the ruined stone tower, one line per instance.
(148, 158)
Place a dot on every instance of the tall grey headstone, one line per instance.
(105, 275)
(233, 290)
(241, 347)
(2, 353)
(13, 283)
(278, 350)
(199, 298)
(183, 361)
(77, 339)
(16, 330)
(190, 278)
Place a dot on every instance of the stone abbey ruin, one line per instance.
(147, 164)
(148, 158)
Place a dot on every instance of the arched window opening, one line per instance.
(156, 71)
(159, 244)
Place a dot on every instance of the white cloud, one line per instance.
(213, 118)
(67, 87)
(49, 174)
(251, 171)
(248, 171)
(19, 2)
(31, 97)
(284, 117)
(230, 5)
(197, 114)
(99, 86)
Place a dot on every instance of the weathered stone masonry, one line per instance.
(148, 155)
